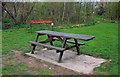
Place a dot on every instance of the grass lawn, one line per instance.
(105, 45)
(0, 52)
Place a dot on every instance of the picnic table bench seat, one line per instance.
(53, 47)
(63, 38)
(47, 46)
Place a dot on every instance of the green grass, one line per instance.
(0, 51)
(20, 69)
(0, 40)
(105, 45)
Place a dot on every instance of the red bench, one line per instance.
(41, 22)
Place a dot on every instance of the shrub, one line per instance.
(89, 23)
(7, 23)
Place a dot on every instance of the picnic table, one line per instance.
(63, 38)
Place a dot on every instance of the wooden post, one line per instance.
(30, 27)
(77, 47)
(51, 43)
(52, 24)
(34, 46)
(61, 52)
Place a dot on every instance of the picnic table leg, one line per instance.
(61, 52)
(34, 46)
(60, 56)
(61, 40)
(77, 47)
(31, 28)
(51, 43)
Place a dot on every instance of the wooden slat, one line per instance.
(47, 46)
(67, 35)
(40, 21)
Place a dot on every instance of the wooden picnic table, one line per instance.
(63, 38)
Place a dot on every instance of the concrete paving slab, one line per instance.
(79, 63)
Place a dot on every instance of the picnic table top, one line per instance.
(67, 35)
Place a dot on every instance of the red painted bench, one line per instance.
(41, 22)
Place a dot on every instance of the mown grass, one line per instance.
(20, 69)
(105, 45)
(0, 52)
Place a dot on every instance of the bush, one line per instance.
(89, 23)
(6, 20)
(7, 23)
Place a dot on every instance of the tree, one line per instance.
(18, 12)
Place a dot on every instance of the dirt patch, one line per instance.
(60, 27)
(16, 57)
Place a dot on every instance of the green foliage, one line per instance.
(7, 23)
(89, 23)
(111, 10)
(6, 20)
(61, 13)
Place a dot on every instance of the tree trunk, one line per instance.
(84, 12)
(25, 17)
(63, 14)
